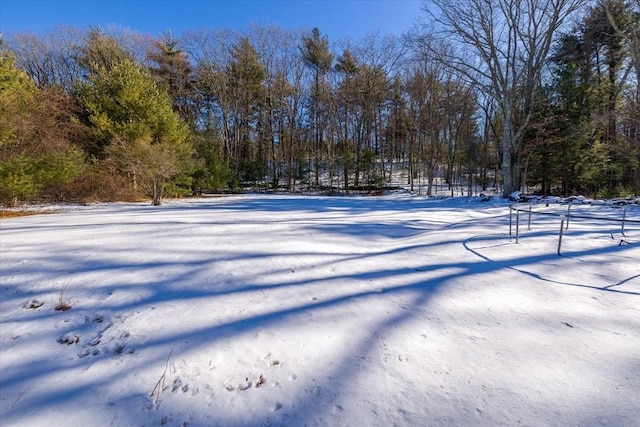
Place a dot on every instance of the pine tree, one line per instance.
(246, 75)
(145, 138)
(318, 58)
(173, 71)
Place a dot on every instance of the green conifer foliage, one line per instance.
(34, 152)
(143, 136)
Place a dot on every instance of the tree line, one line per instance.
(540, 95)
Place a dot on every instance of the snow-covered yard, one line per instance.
(299, 310)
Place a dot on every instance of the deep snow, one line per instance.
(299, 310)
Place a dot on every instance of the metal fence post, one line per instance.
(510, 215)
(624, 217)
(529, 225)
(560, 238)
(517, 224)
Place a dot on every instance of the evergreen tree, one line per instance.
(145, 138)
(100, 52)
(318, 58)
(246, 75)
(35, 151)
(173, 71)
(347, 67)
(576, 144)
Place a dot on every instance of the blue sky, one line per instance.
(339, 19)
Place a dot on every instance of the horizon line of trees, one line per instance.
(534, 95)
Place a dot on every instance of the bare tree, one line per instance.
(631, 32)
(49, 58)
(500, 46)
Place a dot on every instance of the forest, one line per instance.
(539, 96)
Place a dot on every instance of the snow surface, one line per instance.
(256, 310)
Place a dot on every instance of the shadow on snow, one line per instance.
(423, 281)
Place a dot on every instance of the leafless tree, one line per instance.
(49, 58)
(500, 46)
(631, 34)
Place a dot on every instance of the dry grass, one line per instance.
(62, 304)
(15, 214)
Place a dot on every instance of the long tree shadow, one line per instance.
(420, 283)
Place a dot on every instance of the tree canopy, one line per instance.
(533, 95)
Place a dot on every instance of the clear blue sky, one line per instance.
(339, 19)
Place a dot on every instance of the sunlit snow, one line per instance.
(254, 310)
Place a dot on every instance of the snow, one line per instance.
(253, 310)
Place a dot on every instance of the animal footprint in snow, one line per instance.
(89, 351)
(244, 385)
(69, 339)
(96, 318)
(33, 304)
(177, 383)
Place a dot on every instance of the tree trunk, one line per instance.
(508, 184)
(157, 193)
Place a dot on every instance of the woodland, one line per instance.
(539, 96)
